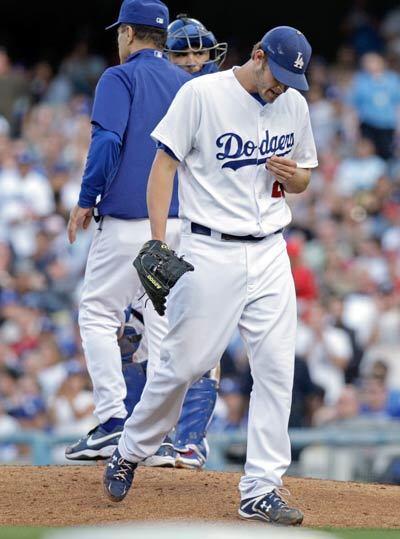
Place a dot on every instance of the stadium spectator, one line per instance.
(377, 401)
(327, 350)
(390, 29)
(324, 119)
(82, 69)
(307, 396)
(28, 406)
(71, 408)
(335, 308)
(375, 96)
(361, 28)
(303, 276)
(359, 171)
(347, 407)
(14, 91)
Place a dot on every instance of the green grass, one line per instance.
(350, 533)
(21, 533)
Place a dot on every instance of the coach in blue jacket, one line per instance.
(130, 100)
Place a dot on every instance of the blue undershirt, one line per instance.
(258, 98)
(162, 146)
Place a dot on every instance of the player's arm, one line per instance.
(104, 151)
(292, 178)
(109, 118)
(294, 174)
(173, 146)
(159, 192)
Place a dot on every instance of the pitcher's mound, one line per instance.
(73, 496)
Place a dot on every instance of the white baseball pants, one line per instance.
(245, 284)
(111, 284)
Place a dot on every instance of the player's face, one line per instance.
(190, 60)
(266, 84)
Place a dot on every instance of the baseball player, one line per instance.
(130, 100)
(244, 139)
(194, 48)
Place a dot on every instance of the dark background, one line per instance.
(48, 30)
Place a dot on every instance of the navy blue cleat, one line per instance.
(270, 508)
(96, 445)
(164, 457)
(118, 477)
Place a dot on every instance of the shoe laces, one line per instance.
(277, 496)
(125, 468)
(84, 437)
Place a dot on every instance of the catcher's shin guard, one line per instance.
(135, 380)
(134, 372)
(196, 414)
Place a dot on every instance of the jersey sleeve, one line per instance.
(103, 154)
(164, 147)
(112, 102)
(305, 153)
(178, 129)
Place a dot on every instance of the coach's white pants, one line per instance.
(111, 284)
(234, 283)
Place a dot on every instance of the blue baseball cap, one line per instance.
(289, 53)
(146, 12)
(26, 158)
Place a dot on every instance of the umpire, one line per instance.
(130, 100)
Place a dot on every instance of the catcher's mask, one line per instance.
(187, 33)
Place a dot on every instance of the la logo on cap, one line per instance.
(299, 62)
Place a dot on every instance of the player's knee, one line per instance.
(183, 372)
(91, 322)
(187, 374)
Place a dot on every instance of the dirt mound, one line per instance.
(73, 495)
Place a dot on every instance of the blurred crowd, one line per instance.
(343, 243)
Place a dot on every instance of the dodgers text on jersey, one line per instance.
(234, 147)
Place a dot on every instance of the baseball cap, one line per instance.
(26, 158)
(289, 53)
(146, 12)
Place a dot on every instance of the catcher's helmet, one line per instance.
(187, 33)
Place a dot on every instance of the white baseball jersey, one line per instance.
(223, 150)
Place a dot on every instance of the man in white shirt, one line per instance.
(240, 139)
(327, 350)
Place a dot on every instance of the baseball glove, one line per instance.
(159, 269)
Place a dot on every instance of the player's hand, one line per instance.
(282, 168)
(79, 217)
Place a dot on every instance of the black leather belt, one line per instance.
(205, 231)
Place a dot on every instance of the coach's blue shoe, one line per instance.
(96, 445)
(270, 508)
(118, 477)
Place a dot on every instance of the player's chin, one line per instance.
(192, 69)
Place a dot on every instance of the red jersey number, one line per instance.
(277, 190)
